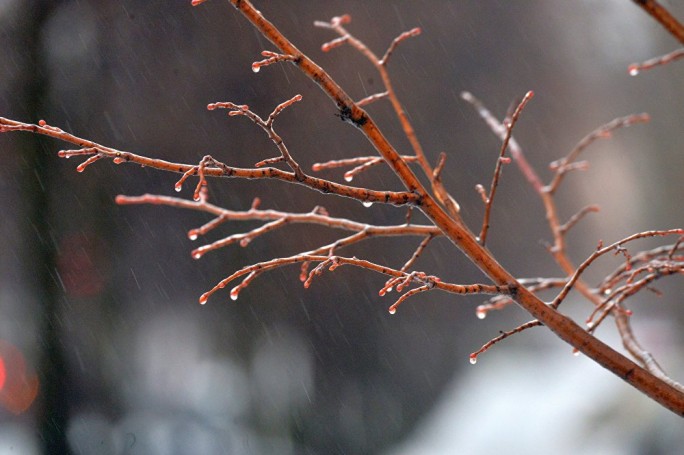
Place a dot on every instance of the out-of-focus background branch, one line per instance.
(100, 300)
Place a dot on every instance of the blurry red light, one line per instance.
(2, 373)
(18, 382)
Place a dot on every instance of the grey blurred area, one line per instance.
(101, 299)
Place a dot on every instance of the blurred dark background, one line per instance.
(100, 301)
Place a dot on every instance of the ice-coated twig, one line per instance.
(616, 247)
(508, 124)
(502, 336)
(636, 68)
(271, 58)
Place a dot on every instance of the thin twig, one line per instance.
(499, 163)
(501, 337)
(635, 68)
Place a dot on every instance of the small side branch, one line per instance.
(509, 124)
(361, 164)
(332, 262)
(617, 247)
(635, 68)
(500, 130)
(564, 165)
(219, 169)
(272, 58)
(501, 337)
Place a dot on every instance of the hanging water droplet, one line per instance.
(348, 178)
(80, 168)
(633, 70)
(203, 298)
(178, 187)
(367, 204)
(576, 353)
(196, 255)
(192, 235)
(256, 68)
(481, 313)
(392, 310)
(234, 293)
(473, 359)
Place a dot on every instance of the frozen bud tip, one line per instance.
(234, 293)
(633, 70)
(473, 359)
(344, 19)
(203, 298)
(392, 310)
(120, 199)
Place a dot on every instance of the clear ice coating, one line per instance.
(367, 203)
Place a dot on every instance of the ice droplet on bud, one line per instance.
(256, 68)
(203, 299)
(481, 313)
(348, 178)
(633, 70)
(192, 235)
(576, 353)
(178, 187)
(473, 359)
(392, 310)
(118, 160)
(234, 293)
(196, 255)
(367, 204)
